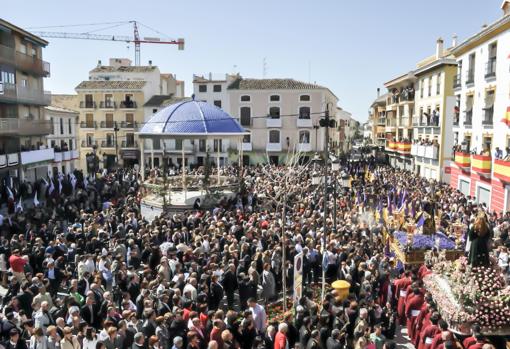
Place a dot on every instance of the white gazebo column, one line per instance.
(241, 154)
(152, 153)
(142, 157)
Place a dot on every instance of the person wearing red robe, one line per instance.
(400, 294)
(428, 332)
(422, 320)
(424, 270)
(469, 341)
(413, 306)
(384, 292)
(441, 337)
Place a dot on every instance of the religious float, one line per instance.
(465, 294)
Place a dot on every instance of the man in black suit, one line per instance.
(149, 325)
(89, 312)
(54, 275)
(25, 298)
(7, 325)
(215, 293)
(230, 284)
(15, 342)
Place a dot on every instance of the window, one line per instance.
(217, 88)
(154, 111)
(109, 120)
(274, 136)
(71, 146)
(304, 112)
(245, 98)
(7, 77)
(422, 82)
(471, 69)
(274, 98)
(304, 98)
(52, 143)
(218, 145)
(70, 126)
(274, 112)
(438, 84)
(89, 101)
(178, 144)
(130, 120)
(217, 103)
(23, 48)
(245, 116)
(304, 137)
(201, 145)
(202, 88)
(34, 52)
(130, 139)
(90, 139)
(247, 138)
(89, 120)
(108, 101)
(490, 70)
(430, 87)
(61, 126)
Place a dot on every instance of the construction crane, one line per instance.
(135, 39)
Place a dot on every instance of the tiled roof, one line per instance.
(123, 69)
(271, 84)
(110, 85)
(162, 100)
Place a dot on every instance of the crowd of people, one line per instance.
(85, 270)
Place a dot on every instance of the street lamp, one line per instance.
(335, 165)
(316, 178)
(346, 183)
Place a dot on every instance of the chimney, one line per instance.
(150, 63)
(378, 92)
(439, 48)
(98, 62)
(454, 40)
(484, 26)
(210, 76)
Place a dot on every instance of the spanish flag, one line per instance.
(506, 119)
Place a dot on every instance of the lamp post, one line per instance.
(335, 167)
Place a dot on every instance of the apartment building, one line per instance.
(377, 115)
(113, 105)
(63, 139)
(346, 131)
(282, 116)
(481, 124)
(23, 128)
(433, 114)
(398, 127)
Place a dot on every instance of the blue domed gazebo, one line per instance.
(189, 119)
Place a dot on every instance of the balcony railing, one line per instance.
(273, 147)
(88, 144)
(107, 144)
(24, 127)
(490, 68)
(33, 156)
(470, 76)
(304, 122)
(246, 146)
(457, 81)
(481, 164)
(129, 144)
(273, 122)
(502, 170)
(107, 105)
(32, 64)
(128, 105)
(107, 124)
(488, 116)
(88, 105)
(463, 160)
(129, 124)
(7, 54)
(88, 124)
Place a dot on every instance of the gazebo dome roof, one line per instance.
(191, 118)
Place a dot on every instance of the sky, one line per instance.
(349, 46)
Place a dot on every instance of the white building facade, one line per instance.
(63, 139)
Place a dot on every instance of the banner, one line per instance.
(298, 277)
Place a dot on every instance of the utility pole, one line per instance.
(116, 129)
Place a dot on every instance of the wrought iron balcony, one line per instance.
(488, 116)
(108, 144)
(470, 76)
(129, 144)
(128, 105)
(107, 124)
(88, 105)
(457, 81)
(88, 144)
(490, 68)
(129, 124)
(88, 124)
(107, 105)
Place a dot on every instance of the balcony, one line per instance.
(129, 124)
(470, 77)
(414, 149)
(22, 94)
(391, 146)
(24, 127)
(490, 68)
(488, 116)
(3, 161)
(463, 160)
(65, 155)
(128, 105)
(481, 164)
(304, 147)
(304, 122)
(129, 144)
(272, 122)
(7, 55)
(404, 148)
(107, 105)
(32, 64)
(88, 144)
(247, 146)
(273, 147)
(502, 170)
(431, 152)
(107, 124)
(88, 105)
(456, 120)
(457, 81)
(88, 124)
(421, 150)
(107, 144)
(35, 156)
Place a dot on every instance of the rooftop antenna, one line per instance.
(264, 67)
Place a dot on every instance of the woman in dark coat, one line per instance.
(479, 235)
